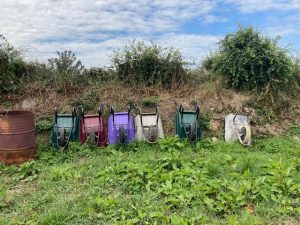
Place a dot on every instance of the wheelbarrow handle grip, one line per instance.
(129, 110)
(74, 112)
(197, 111)
(55, 114)
(157, 113)
(112, 112)
(100, 110)
(141, 116)
(180, 109)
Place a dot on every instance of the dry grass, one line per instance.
(214, 100)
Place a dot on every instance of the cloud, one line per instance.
(252, 6)
(92, 28)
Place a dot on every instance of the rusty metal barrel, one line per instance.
(17, 136)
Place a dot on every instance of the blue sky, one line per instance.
(93, 29)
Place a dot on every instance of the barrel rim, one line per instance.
(15, 113)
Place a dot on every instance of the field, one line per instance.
(172, 182)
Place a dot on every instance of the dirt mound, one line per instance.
(214, 101)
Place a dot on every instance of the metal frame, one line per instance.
(147, 137)
(97, 138)
(59, 130)
(191, 126)
(120, 127)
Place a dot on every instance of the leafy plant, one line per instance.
(43, 126)
(12, 67)
(149, 64)
(247, 60)
(150, 101)
(67, 70)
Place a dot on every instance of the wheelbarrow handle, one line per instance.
(157, 114)
(56, 114)
(74, 112)
(141, 116)
(81, 109)
(100, 110)
(129, 110)
(197, 111)
(181, 110)
(112, 112)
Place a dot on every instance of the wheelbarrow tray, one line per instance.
(97, 124)
(66, 122)
(185, 119)
(120, 119)
(148, 121)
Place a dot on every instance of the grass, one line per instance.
(172, 182)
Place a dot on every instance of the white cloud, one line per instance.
(92, 28)
(252, 6)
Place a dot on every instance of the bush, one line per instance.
(12, 67)
(67, 70)
(100, 74)
(149, 64)
(250, 61)
(296, 75)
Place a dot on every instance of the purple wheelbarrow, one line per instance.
(120, 127)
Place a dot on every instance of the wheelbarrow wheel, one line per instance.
(153, 133)
(92, 136)
(122, 135)
(61, 137)
(192, 133)
(245, 135)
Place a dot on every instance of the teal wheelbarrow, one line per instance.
(187, 123)
(65, 129)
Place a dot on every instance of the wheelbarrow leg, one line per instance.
(61, 136)
(122, 134)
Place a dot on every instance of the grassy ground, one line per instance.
(169, 183)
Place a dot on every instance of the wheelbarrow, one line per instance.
(65, 129)
(187, 123)
(92, 128)
(237, 127)
(149, 126)
(120, 127)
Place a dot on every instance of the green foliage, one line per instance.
(43, 126)
(295, 82)
(150, 101)
(250, 61)
(97, 74)
(172, 182)
(12, 67)
(151, 64)
(88, 100)
(67, 70)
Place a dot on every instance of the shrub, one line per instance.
(150, 101)
(100, 74)
(67, 70)
(149, 64)
(250, 61)
(12, 67)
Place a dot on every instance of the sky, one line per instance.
(94, 29)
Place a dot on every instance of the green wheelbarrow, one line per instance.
(65, 129)
(187, 123)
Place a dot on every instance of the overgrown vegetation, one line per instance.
(12, 67)
(247, 60)
(169, 183)
(67, 70)
(139, 63)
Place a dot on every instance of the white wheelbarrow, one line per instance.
(148, 126)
